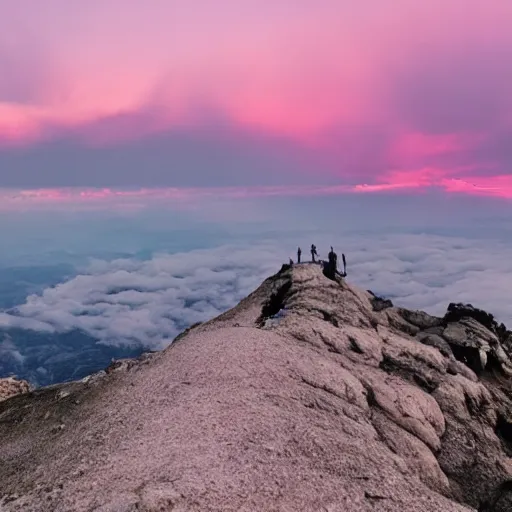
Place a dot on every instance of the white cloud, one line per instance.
(150, 302)
(8, 351)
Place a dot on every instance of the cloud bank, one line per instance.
(149, 302)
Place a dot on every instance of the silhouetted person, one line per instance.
(330, 267)
(333, 258)
(313, 252)
(344, 265)
(299, 252)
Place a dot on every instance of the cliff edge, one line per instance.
(311, 394)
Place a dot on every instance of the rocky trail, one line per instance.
(309, 395)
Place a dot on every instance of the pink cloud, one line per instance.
(185, 198)
(144, 198)
(375, 95)
(496, 186)
(406, 179)
(454, 181)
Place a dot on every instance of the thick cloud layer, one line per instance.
(150, 302)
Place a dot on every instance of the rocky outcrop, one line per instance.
(379, 303)
(459, 311)
(305, 396)
(10, 387)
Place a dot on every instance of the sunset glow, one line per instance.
(28, 200)
(374, 97)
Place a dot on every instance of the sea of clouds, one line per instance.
(148, 302)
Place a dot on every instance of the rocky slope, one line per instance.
(309, 395)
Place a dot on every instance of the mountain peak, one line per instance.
(310, 394)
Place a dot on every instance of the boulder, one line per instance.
(458, 311)
(420, 318)
(11, 386)
(477, 346)
(379, 303)
(433, 340)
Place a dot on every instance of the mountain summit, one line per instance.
(310, 394)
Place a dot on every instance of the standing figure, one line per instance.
(313, 252)
(344, 265)
(330, 266)
(299, 252)
(333, 258)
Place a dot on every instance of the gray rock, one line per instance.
(477, 346)
(469, 333)
(396, 320)
(379, 303)
(438, 330)
(420, 318)
(433, 340)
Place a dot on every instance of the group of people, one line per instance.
(313, 253)
(332, 259)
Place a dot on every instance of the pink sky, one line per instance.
(373, 95)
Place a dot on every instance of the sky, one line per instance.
(361, 97)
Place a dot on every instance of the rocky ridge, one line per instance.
(311, 394)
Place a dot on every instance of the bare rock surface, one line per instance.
(11, 386)
(305, 396)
